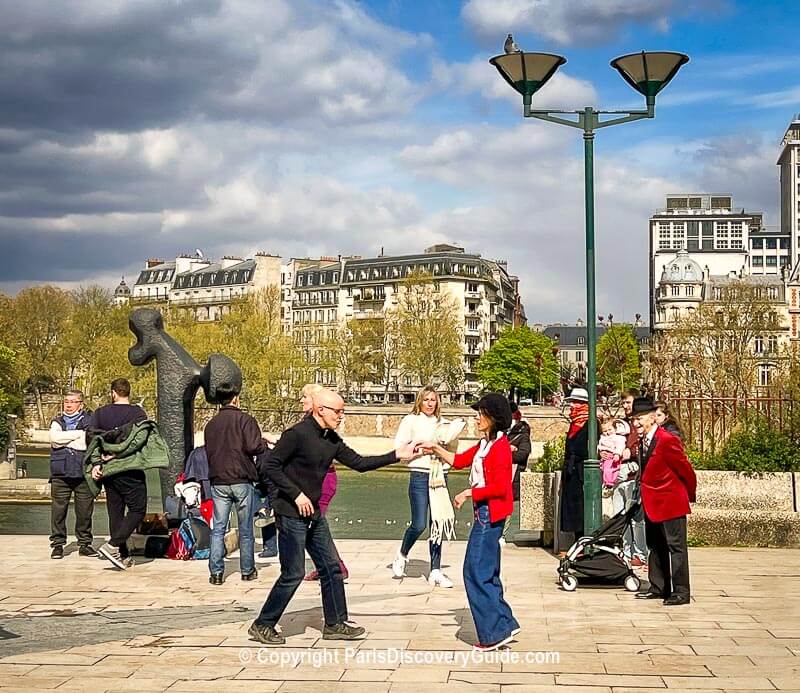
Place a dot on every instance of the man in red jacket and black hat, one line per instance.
(668, 485)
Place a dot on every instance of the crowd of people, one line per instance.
(285, 484)
(645, 470)
(288, 482)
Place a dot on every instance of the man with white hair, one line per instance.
(297, 467)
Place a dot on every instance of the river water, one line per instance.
(370, 506)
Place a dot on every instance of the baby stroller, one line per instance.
(599, 558)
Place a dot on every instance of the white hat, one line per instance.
(578, 394)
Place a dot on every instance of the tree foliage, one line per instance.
(521, 359)
(716, 349)
(618, 357)
(428, 330)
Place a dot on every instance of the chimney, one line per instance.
(152, 262)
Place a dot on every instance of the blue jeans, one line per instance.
(490, 612)
(225, 497)
(418, 495)
(296, 535)
(635, 542)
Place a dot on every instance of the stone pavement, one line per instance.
(79, 624)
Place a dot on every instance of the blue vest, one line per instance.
(66, 463)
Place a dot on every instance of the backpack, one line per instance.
(191, 540)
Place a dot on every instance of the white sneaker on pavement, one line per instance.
(438, 579)
(111, 553)
(399, 565)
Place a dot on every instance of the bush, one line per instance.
(5, 432)
(756, 446)
(553, 457)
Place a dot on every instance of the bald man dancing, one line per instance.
(297, 467)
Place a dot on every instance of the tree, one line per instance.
(273, 367)
(618, 357)
(716, 350)
(349, 352)
(36, 322)
(428, 330)
(521, 359)
(379, 339)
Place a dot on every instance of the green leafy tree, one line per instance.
(429, 331)
(618, 357)
(521, 359)
(35, 323)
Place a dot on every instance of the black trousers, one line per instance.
(61, 490)
(668, 565)
(126, 490)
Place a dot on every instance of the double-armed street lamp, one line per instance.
(648, 73)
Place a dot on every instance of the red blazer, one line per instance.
(498, 491)
(668, 480)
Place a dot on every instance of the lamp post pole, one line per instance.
(647, 73)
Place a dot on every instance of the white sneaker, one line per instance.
(502, 542)
(438, 579)
(399, 565)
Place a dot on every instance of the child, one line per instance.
(610, 448)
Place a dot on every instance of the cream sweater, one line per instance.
(419, 427)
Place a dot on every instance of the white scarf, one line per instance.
(442, 516)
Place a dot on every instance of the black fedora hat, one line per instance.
(496, 406)
(642, 405)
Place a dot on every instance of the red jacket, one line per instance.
(498, 490)
(669, 483)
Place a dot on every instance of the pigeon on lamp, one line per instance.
(510, 46)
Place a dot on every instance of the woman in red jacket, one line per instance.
(492, 496)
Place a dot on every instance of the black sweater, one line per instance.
(301, 458)
(232, 439)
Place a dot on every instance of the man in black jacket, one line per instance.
(297, 467)
(519, 437)
(232, 439)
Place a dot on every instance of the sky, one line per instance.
(150, 128)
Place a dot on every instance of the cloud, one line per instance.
(573, 22)
(479, 77)
(128, 66)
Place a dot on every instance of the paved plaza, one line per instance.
(79, 624)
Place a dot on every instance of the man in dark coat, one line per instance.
(519, 437)
(576, 452)
(668, 485)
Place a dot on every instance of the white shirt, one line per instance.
(418, 427)
(477, 478)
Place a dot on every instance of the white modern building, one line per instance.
(720, 239)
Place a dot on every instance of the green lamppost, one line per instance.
(647, 73)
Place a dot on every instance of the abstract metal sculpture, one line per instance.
(178, 377)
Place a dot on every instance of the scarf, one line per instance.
(441, 507)
(578, 416)
(71, 420)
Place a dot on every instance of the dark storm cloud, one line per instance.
(145, 65)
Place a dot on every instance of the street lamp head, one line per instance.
(649, 73)
(527, 72)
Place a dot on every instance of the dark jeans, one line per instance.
(126, 490)
(61, 490)
(296, 535)
(668, 565)
(490, 611)
(419, 496)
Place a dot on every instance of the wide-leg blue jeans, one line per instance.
(490, 611)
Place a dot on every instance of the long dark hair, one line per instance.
(671, 422)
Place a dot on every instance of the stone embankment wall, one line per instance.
(732, 509)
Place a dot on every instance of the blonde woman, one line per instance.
(421, 424)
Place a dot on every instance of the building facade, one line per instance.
(328, 294)
(789, 162)
(204, 287)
